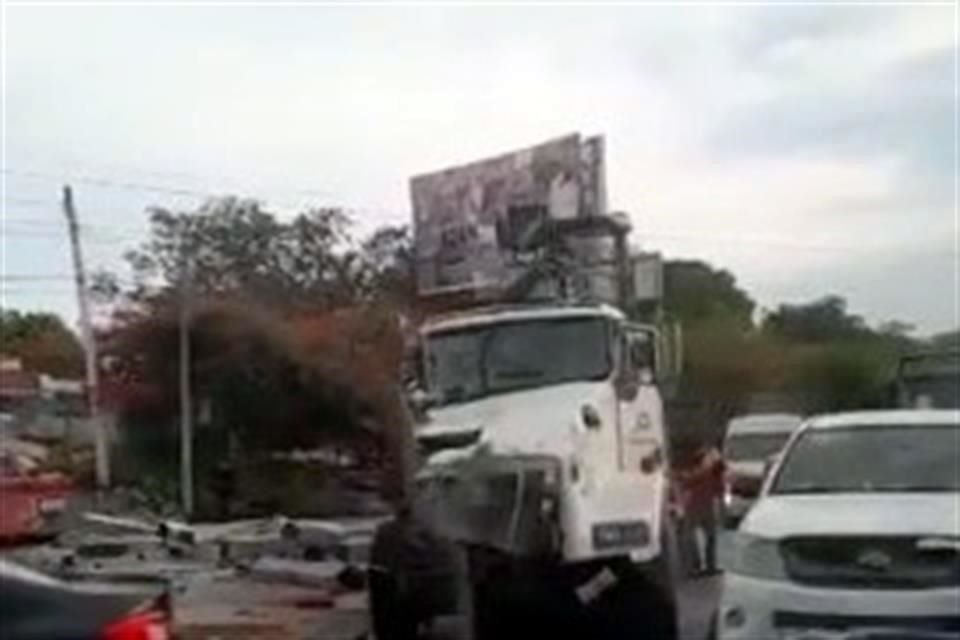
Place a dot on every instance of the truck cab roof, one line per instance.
(516, 313)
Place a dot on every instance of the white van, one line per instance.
(750, 444)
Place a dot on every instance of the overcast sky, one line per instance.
(810, 150)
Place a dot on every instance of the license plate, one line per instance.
(596, 586)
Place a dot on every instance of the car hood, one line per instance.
(530, 421)
(780, 516)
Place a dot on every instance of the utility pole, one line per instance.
(186, 399)
(89, 341)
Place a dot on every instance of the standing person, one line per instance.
(704, 489)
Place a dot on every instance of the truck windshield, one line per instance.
(468, 363)
(869, 459)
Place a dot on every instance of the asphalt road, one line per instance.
(699, 598)
(698, 603)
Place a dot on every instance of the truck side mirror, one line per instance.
(627, 383)
(641, 355)
(643, 361)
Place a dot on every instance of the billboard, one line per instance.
(471, 223)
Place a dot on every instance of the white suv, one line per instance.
(856, 535)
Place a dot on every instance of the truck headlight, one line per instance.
(610, 535)
(757, 557)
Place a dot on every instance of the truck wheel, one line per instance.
(392, 616)
(507, 601)
(639, 602)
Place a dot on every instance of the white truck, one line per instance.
(542, 498)
(542, 491)
(540, 504)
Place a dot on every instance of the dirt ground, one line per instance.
(226, 608)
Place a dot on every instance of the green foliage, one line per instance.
(815, 356)
(41, 341)
(822, 320)
(696, 293)
(233, 247)
(841, 376)
(948, 340)
(256, 378)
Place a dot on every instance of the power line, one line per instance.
(114, 184)
(33, 224)
(27, 221)
(178, 175)
(27, 202)
(132, 185)
(4, 289)
(18, 277)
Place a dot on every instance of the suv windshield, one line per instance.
(496, 358)
(758, 446)
(866, 459)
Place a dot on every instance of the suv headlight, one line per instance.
(757, 557)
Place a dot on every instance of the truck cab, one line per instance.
(543, 472)
(572, 386)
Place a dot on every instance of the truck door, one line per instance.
(641, 413)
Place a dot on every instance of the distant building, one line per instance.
(40, 405)
(18, 387)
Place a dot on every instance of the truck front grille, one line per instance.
(507, 504)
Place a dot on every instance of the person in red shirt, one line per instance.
(702, 489)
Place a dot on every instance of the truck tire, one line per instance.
(518, 603)
(392, 617)
(412, 576)
(640, 606)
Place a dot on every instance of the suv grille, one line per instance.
(906, 627)
(870, 562)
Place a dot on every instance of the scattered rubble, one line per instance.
(299, 566)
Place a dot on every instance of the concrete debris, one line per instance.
(325, 558)
(354, 549)
(108, 522)
(322, 575)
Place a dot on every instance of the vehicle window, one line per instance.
(754, 446)
(516, 355)
(869, 459)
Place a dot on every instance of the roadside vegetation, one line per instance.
(297, 331)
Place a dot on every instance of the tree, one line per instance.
(840, 376)
(232, 247)
(947, 340)
(696, 293)
(388, 255)
(42, 342)
(266, 382)
(293, 330)
(822, 320)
